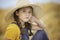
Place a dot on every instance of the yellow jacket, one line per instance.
(12, 32)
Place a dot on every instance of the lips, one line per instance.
(27, 17)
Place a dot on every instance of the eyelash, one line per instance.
(23, 11)
(30, 12)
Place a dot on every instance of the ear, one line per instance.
(17, 13)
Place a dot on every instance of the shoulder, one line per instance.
(12, 32)
(13, 27)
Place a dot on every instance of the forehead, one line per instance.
(28, 7)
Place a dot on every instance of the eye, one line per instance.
(30, 12)
(23, 11)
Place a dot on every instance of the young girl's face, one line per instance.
(25, 14)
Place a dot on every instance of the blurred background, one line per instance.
(51, 16)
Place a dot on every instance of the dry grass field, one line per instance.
(51, 18)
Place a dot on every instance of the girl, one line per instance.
(23, 16)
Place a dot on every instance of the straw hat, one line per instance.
(23, 3)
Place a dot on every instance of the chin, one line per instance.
(26, 20)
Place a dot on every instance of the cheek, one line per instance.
(21, 16)
(30, 16)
